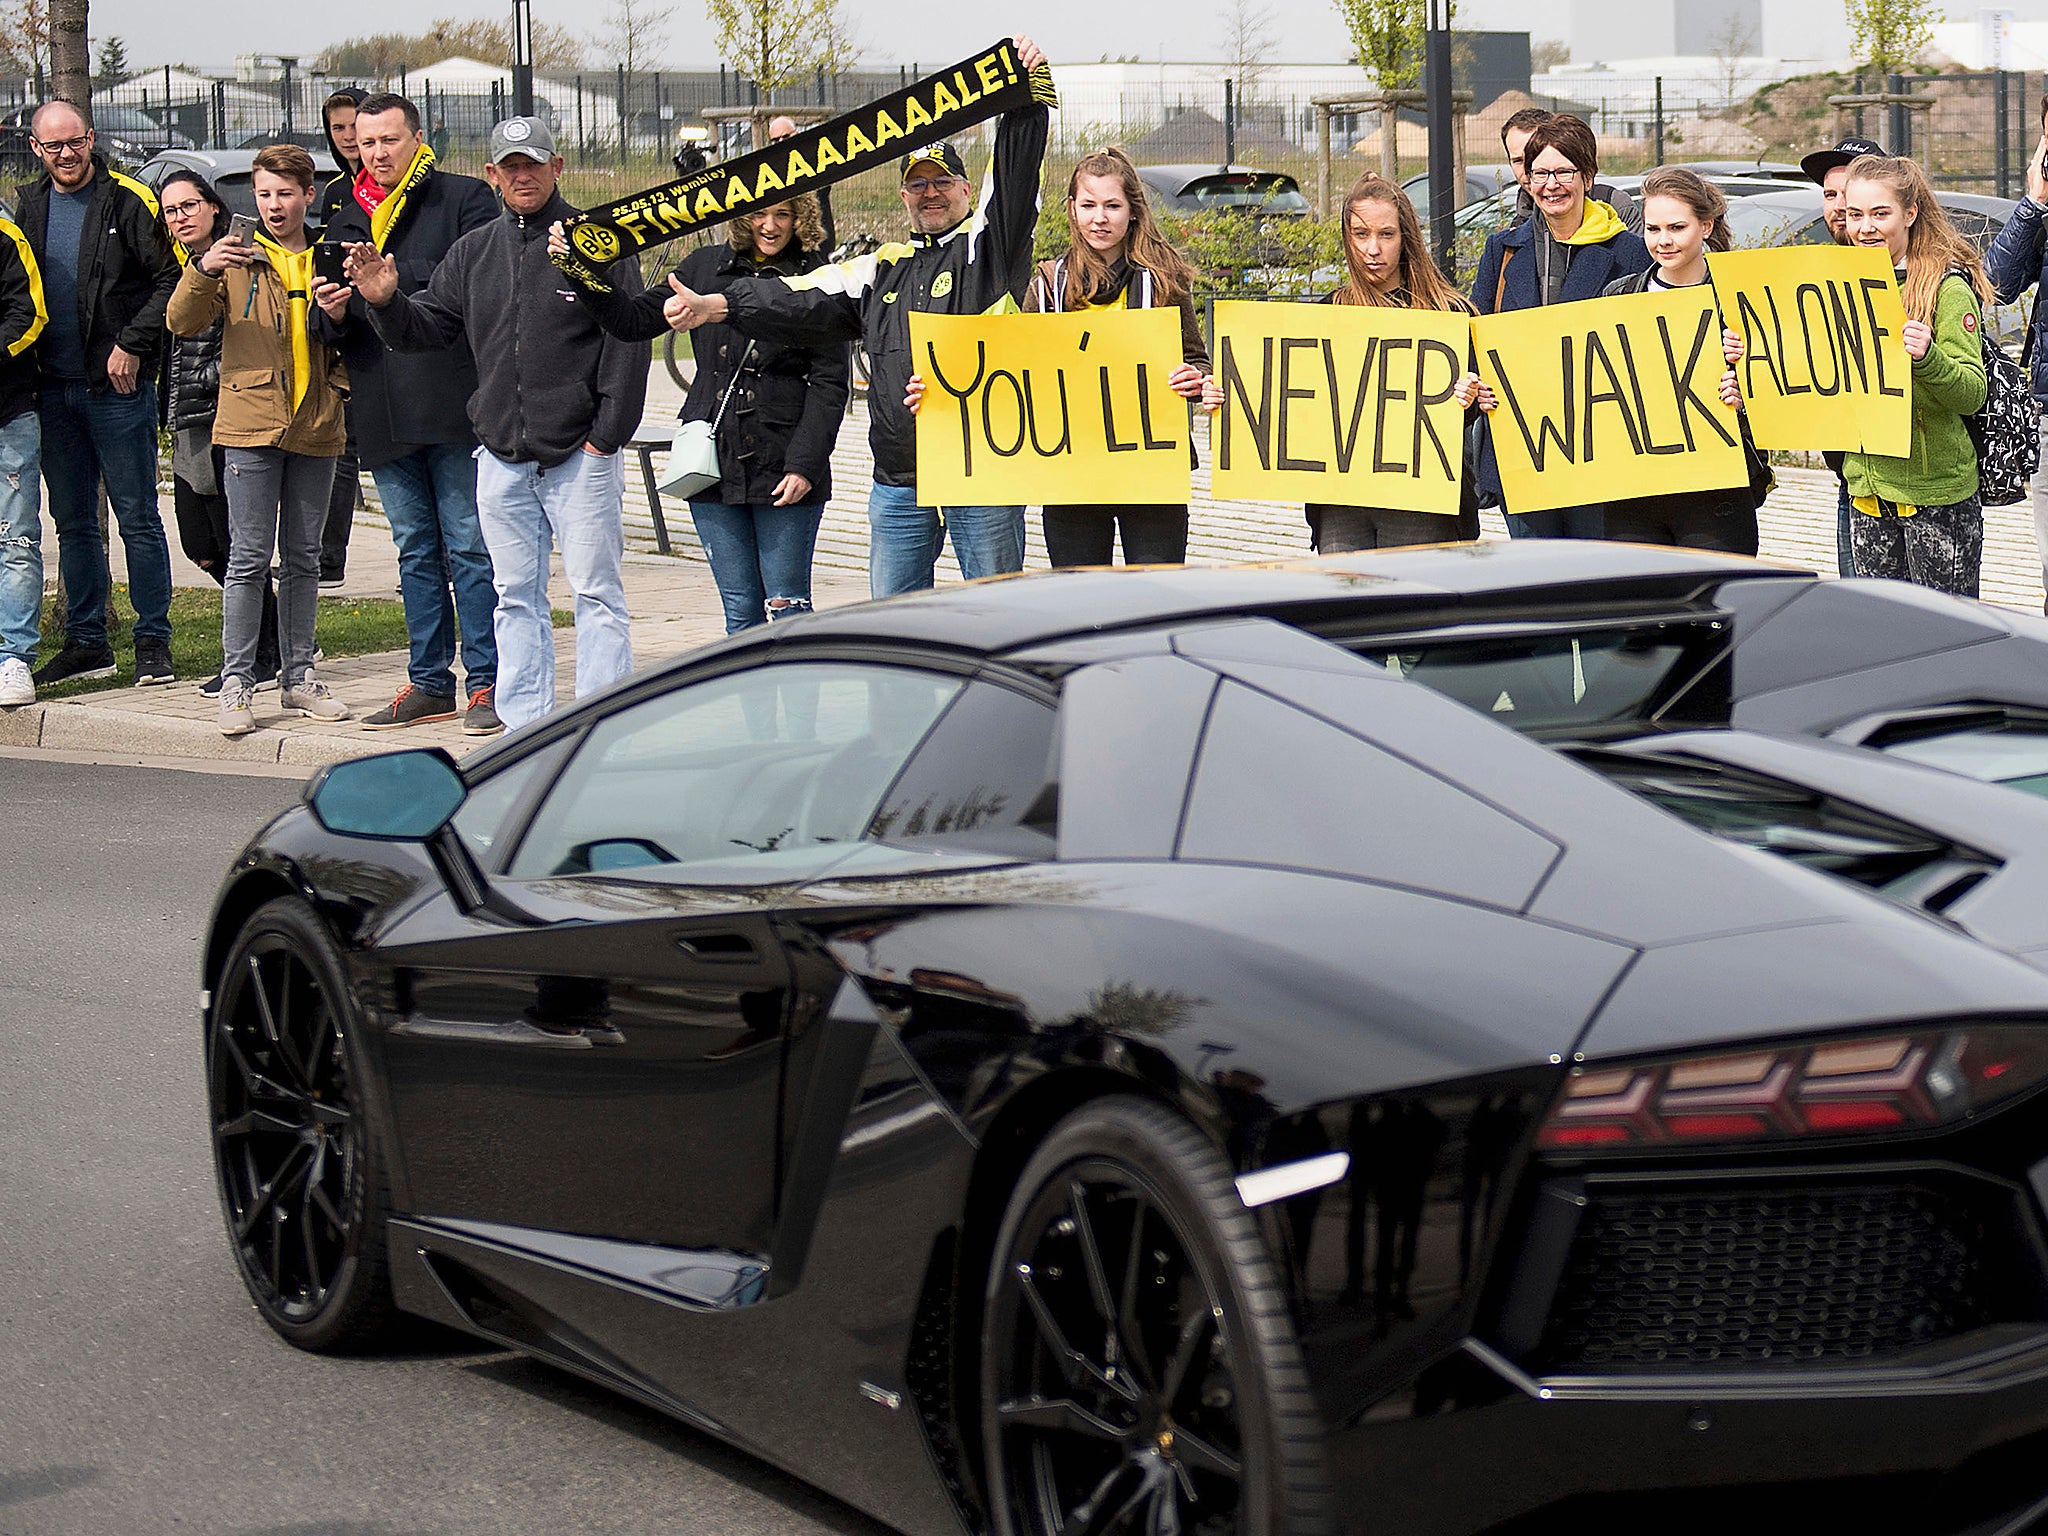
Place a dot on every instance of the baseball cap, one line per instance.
(1821, 161)
(941, 154)
(527, 136)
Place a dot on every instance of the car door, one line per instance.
(599, 1048)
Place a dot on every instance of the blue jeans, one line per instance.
(1845, 555)
(21, 537)
(575, 507)
(429, 499)
(90, 436)
(1559, 523)
(905, 540)
(759, 555)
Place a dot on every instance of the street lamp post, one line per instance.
(1443, 197)
(522, 58)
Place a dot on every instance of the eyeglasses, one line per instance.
(62, 147)
(924, 184)
(1547, 174)
(183, 210)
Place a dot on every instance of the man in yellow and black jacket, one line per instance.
(963, 259)
(22, 317)
(108, 272)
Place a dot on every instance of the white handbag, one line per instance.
(693, 452)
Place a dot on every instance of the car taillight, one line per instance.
(1861, 1086)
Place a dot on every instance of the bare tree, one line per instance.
(70, 54)
(1250, 37)
(1730, 46)
(634, 31)
(25, 36)
(1548, 54)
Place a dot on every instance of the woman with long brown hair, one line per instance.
(1388, 266)
(1917, 518)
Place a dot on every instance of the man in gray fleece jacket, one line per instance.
(556, 400)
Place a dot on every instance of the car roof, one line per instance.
(216, 163)
(1180, 177)
(1009, 613)
(1809, 197)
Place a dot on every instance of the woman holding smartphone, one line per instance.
(280, 426)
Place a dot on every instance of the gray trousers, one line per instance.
(275, 500)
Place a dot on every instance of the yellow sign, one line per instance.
(1822, 365)
(1050, 408)
(1609, 398)
(1339, 403)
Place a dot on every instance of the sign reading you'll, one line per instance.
(1050, 408)
(987, 84)
(1822, 363)
(1316, 397)
(1609, 399)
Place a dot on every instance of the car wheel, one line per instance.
(1139, 1368)
(300, 1170)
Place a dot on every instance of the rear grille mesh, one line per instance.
(1756, 1275)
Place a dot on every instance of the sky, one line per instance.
(211, 35)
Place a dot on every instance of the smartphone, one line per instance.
(330, 262)
(242, 229)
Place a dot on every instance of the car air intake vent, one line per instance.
(1767, 1274)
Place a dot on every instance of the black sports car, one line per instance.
(1488, 1038)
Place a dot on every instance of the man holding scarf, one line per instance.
(410, 422)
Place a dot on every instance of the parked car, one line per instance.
(227, 169)
(1239, 188)
(1481, 182)
(1528, 1036)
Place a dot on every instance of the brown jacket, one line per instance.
(255, 364)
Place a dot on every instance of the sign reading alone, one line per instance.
(1317, 397)
(993, 81)
(1049, 408)
(1609, 399)
(1822, 363)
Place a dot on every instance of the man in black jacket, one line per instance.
(108, 272)
(410, 426)
(22, 309)
(962, 260)
(556, 399)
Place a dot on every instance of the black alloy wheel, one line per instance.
(1139, 1370)
(301, 1180)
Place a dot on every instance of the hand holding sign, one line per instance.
(913, 395)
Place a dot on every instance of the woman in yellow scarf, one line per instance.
(280, 425)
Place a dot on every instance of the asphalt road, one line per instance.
(139, 1393)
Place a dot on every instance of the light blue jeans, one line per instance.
(21, 536)
(575, 507)
(905, 540)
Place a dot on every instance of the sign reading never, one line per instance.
(1822, 363)
(1339, 403)
(986, 85)
(1609, 399)
(1050, 408)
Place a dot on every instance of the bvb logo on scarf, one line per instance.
(294, 270)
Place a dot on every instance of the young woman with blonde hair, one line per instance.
(1917, 517)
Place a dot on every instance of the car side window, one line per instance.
(749, 770)
(986, 779)
(482, 820)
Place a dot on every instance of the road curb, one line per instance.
(84, 727)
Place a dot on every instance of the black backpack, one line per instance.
(2003, 428)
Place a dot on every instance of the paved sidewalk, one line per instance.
(674, 604)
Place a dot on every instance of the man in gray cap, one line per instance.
(555, 401)
(1829, 170)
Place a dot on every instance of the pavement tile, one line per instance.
(22, 727)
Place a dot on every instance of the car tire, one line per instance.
(297, 1161)
(1137, 1351)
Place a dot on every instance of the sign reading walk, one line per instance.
(1340, 403)
(1822, 363)
(1050, 408)
(986, 85)
(1608, 399)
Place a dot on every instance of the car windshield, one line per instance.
(1564, 684)
(1273, 194)
(2009, 752)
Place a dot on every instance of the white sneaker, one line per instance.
(237, 716)
(313, 699)
(17, 687)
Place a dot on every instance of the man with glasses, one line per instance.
(961, 260)
(108, 272)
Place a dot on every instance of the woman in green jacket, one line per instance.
(1917, 518)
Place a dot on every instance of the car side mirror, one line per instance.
(396, 797)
